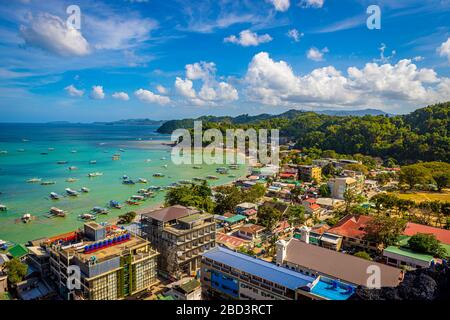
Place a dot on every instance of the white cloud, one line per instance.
(316, 54)
(275, 83)
(185, 88)
(121, 96)
(295, 35)
(281, 5)
(97, 93)
(50, 33)
(74, 92)
(312, 3)
(444, 49)
(200, 70)
(248, 38)
(150, 97)
(161, 89)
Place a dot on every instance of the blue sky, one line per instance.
(176, 59)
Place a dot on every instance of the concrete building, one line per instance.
(230, 275)
(340, 185)
(183, 289)
(310, 173)
(316, 261)
(251, 232)
(113, 263)
(181, 235)
(405, 258)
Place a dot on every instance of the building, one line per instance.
(251, 232)
(230, 275)
(339, 185)
(310, 173)
(319, 236)
(352, 229)
(39, 259)
(317, 261)
(402, 257)
(34, 289)
(330, 203)
(181, 235)
(311, 207)
(185, 290)
(414, 228)
(3, 283)
(231, 242)
(113, 263)
(244, 207)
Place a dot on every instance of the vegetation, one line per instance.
(269, 216)
(228, 197)
(363, 255)
(385, 230)
(420, 135)
(428, 244)
(127, 218)
(420, 175)
(325, 191)
(296, 215)
(195, 195)
(16, 270)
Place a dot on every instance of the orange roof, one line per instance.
(351, 226)
(251, 228)
(230, 240)
(441, 234)
(311, 200)
(314, 206)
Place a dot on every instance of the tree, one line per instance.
(329, 170)
(363, 255)
(16, 270)
(325, 191)
(428, 244)
(198, 196)
(269, 216)
(384, 230)
(412, 175)
(442, 180)
(127, 217)
(357, 167)
(296, 215)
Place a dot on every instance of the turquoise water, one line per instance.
(91, 142)
(324, 289)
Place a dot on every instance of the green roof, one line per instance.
(190, 286)
(235, 219)
(409, 253)
(161, 297)
(18, 251)
(5, 296)
(403, 242)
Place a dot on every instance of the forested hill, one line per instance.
(420, 135)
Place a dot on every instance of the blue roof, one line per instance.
(260, 268)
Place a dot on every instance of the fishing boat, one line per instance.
(148, 160)
(212, 177)
(3, 152)
(185, 182)
(72, 193)
(55, 196)
(163, 158)
(133, 203)
(137, 198)
(93, 162)
(197, 167)
(115, 204)
(233, 166)
(34, 180)
(62, 162)
(57, 212)
(142, 180)
(125, 177)
(71, 180)
(26, 218)
(95, 174)
(3, 207)
(87, 217)
(100, 210)
(47, 183)
(116, 157)
(74, 151)
(20, 150)
(222, 170)
(158, 175)
(85, 190)
(73, 168)
(129, 182)
(51, 149)
(198, 179)
(121, 150)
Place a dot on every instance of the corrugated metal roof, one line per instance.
(260, 268)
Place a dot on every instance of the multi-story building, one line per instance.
(339, 185)
(310, 173)
(229, 275)
(181, 235)
(113, 263)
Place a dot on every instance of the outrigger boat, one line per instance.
(133, 203)
(115, 204)
(198, 179)
(99, 210)
(73, 168)
(62, 162)
(34, 180)
(3, 207)
(57, 212)
(47, 183)
(20, 150)
(95, 174)
(93, 162)
(72, 193)
(26, 218)
(142, 180)
(87, 217)
(71, 180)
(197, 167)
(130, 182)
(158, 175)
(137, 198)
(212, 178)
(3, 152)
(85, 190)
(185, 182)
(55, 196)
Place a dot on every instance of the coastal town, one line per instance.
(314, 227)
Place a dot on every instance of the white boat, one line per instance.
(125, 177)
(47, 183)
(93, 162)
(100, 210)
(142, 180)
(57, 212)
(34, 180)
(87, 217)
(55, 196)
(71, 192)
(62, 162)
(26, 218)
(165, 166)
(158, 175)
(163, 158)
(74, 151)
(71, 180)
(3, 207)
(3, 152)
(51, 149)
(73, 168)
(121, 150)
(137, 198)
(212, 177)
(85, 190)
(20, 150)
(95, 174)
(148, 160)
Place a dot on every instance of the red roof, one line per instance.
(311, 200)
(230, 240)
(314, 206)
(250, 212)
(287, 175)
(351, 226)
(441, 234)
